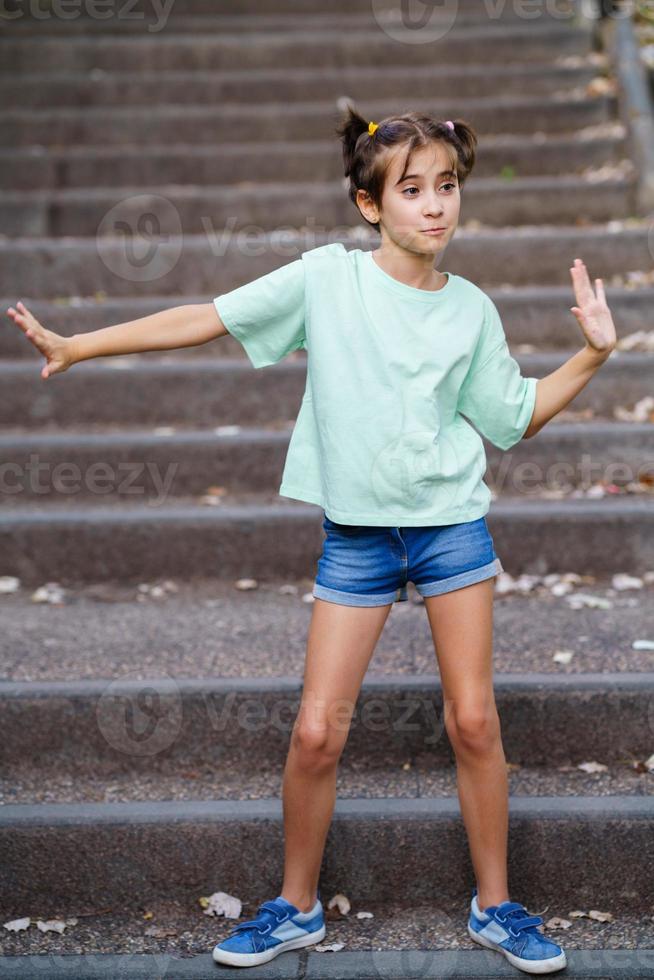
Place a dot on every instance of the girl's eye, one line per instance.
(449, 184)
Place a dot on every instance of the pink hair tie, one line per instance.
(448, 122)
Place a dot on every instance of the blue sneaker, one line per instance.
(511, 930)
(278, 927)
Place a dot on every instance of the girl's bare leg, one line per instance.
(340, 643)
(461, 624)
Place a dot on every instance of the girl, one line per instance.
(398, 353)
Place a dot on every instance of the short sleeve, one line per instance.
(494, 396)
(266, 315)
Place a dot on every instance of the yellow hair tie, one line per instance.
(372, 126)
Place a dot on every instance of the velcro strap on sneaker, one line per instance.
(526, 923)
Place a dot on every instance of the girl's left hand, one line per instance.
(593, 315)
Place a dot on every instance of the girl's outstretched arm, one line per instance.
(557, 389)
(180, 326)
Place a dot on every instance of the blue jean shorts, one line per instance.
(370, 566)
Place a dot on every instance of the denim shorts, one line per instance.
(370, 566)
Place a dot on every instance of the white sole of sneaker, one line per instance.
(255, 959)
(529, 966)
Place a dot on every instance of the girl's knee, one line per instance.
(318, 744)
(473, 725)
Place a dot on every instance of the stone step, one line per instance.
(534, 318)
(104, 854)
(219, 260)
(127, 390)
(404, 940)
(83, 726)
(157, 466)
(165, 23)
(132, 542)
(100, 88)
(319, 160)
(296, 8)
(266, 207)
(120, 632)
(416, 773)
(261, 49)
(109, 125)
(287, 10)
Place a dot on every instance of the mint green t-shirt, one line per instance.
(395, 377)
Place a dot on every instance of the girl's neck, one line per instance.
(409, 269)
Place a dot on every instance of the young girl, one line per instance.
(401, 358)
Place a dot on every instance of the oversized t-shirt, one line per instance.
(397, 377)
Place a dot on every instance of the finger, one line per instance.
(583, 289)
(25, 321)
(599, 286)
(18, 319)
(580, 276)
(39, 341)
(23, 310)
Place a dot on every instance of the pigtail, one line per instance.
(349, 130)
(467, 149)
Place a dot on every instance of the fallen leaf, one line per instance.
(592, 767)
(581, 599)
(341, 902)
(623, 581)
(16, 924)
(54, 925)
(557, 923)
(600, 916)
(51, 592)
(220, 903)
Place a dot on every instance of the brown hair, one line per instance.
(366, 158)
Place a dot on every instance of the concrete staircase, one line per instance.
(150, 162)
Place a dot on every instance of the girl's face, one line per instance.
(427, 197)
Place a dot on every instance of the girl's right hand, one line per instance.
(56, 349)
